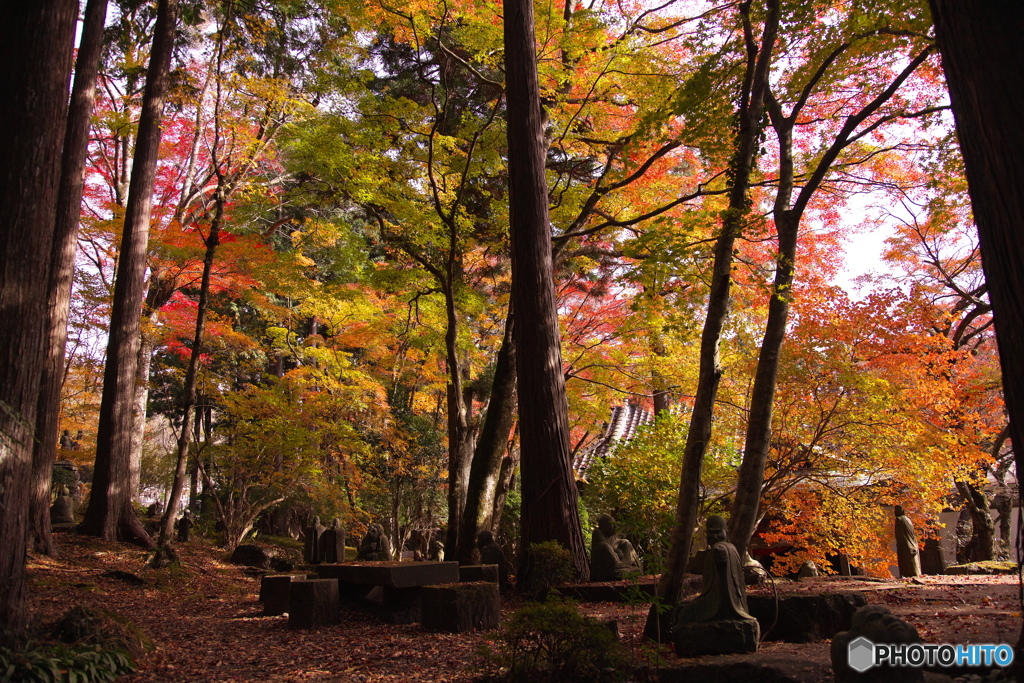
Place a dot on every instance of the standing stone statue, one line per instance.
(311, 541)
(435, 549)
(611, 556)
(62, 512)
(907, 550)
(375, 546)
(717, 621)
(66, 443)
(332, 543)
(185, 527)
(490, 553)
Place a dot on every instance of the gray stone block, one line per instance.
(313, 603)
(717, 637)
(275, 592)
(460, 607)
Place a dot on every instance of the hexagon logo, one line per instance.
(860, 654)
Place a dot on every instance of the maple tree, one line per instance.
(330, 242)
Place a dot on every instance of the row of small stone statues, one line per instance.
(326, 545)
(611, 556)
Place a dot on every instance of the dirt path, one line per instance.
(207, 626)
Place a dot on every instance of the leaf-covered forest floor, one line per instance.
(207, 626)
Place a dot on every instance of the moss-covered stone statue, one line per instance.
(717, 621)
(611, 556)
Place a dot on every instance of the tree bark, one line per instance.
(36, 42)
(110, 514)
(983, 528)
(752, 96)
(979, 41)
(62, 266)
(491, 446)
(549, 503)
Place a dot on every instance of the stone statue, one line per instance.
(374, 547)
(62, 512)
(332, 543)
(907, 549)
(435, 549)
(879, 625)
(611, 557)
(717, 621)
(490, 553)
(66, 444)
(311, 541)
(185, 527)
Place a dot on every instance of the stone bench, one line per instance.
(275, 590)
(401, 583)
(313, 603)
(460, 607)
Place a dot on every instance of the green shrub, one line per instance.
(40, 663)
(85, 625)
(550, 565)
(552, 641)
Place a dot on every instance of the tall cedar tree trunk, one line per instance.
(549, 503)
(491, 445)
(979, 41)
(62, 266)
(787, 215)
(36, 42)
(752, 96)
(188, 401)
(110, 514)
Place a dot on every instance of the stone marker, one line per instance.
(611, 557)
(461, 607)
(877, 624)
(311, 541)
(332, 543)
(932, 560)
(375, 546)
(717, 621)
(907, 554)
(275, 593)
(313, 603)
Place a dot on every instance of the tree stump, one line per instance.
(460, 607)
(313, 603)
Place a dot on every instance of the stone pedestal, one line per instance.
(313, 603)
(275, 593)
(460, 607)
(727, 636)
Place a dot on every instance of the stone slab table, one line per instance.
(401, 583)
